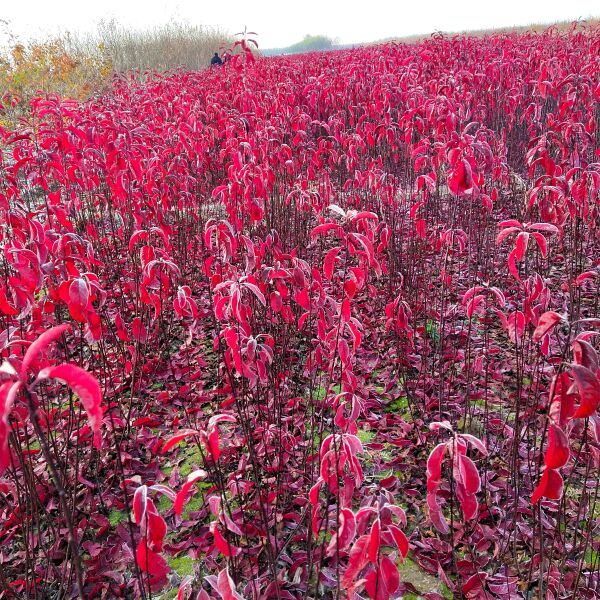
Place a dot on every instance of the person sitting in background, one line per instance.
(216, 59)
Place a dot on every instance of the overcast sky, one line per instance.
(280, 23)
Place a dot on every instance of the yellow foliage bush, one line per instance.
(48, 67)
(76, 66)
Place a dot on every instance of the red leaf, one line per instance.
(521, 245)
(585, 354)
(221, 543)
(400, 539)
(180, 435)
(213, 434)
(435, 514)
(151, 562)
(165, 490)
(140, 498)
(475, 442)
(557, 453)
(473, 304)
(182, 495)
(468, 501)
(86, 387)
(356, 335)
(469, 476)
(473, 587)
(545, 323)
(121, 331)
(589, 391)
(350, 287)
(213, 444)
(562, 406)
(135, 237)
(324, 228)
(224, 586)
(329, 262)
(156, 527)
(8, 392)
(276, 301)
(345, 310)
(39, 345)
(222, 418)
(185, 587)
(434, 463)
(471, 292)
(506, 232)
(460, 179)
(500, 297)
(313, 495)
(512, 267)
(550, 486)
(357, 559)
(344, 352)
(138, 330)
(375, 586)
(345, 533)
(6, 307)
(542, 243)
(390, 575)
(516, 325)
(78, 299)
(365, 215)
(584, 276)
(547, 227)
(374, 540)
(303, 299)
(256, 291)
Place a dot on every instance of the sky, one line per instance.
(281, 23)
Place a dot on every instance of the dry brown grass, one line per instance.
(162, 48)
(562, 26)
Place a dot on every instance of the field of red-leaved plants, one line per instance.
(282, 328)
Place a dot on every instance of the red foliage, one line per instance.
(291, 295)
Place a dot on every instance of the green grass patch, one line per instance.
(398, 406)
(591, 558)
(192, 459)
(164, 503)
(116, 516)
(194, 504)
(320, 393)
(182, 565)
(412, 573)
(365, 436)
